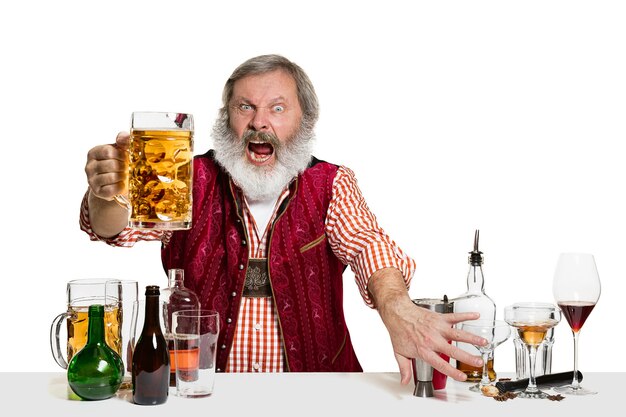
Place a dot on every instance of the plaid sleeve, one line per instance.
(126, 238)
(356, 238)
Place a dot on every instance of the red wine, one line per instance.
(576, 312)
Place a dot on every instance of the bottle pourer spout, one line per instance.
(476, 256)
(476, 237)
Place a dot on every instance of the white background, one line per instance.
(455, 115)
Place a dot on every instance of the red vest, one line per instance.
(305, 275)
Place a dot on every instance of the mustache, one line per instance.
(254, 136)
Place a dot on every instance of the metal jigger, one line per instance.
(423, 371)
(423, 377)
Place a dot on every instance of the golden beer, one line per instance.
(78, 324)
(160, 179)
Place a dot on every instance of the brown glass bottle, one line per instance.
(151, 360)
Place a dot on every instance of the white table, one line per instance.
(308, 394)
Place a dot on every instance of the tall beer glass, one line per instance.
(81, 293)
(160, 171)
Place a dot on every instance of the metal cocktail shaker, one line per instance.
(425, 380)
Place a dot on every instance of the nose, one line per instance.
(260, 120)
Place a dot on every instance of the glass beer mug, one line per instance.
(82, 293)
(160, 171)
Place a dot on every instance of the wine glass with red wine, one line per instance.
(576, 289)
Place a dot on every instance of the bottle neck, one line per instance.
(175, 278)
(95, 329)
(475, 279)
(175, 283)
(151, 319)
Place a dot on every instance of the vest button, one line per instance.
(229, 320)
(223, 347)
(233, 294)
(241, 267)
(243, 242)
(219, 370)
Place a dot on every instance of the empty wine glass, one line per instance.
(576, 289)
(496, 332)
(532, 321)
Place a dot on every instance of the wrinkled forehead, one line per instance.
(266, 88)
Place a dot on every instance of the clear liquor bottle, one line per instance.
(176, 297)
(475, 300)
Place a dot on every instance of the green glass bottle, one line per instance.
(96, 371)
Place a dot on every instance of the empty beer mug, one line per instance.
(160, 171)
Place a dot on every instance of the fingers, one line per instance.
(107, 167)
(443, 366)
(431, 335)
(433, 357)
(454, 318)
(421, 333)
(465, 357)
(104, 166)
(122, 140)
(104, 152)
(459, 335)
(443, 324)
(406, 369)
(463, 336)
(107, 185)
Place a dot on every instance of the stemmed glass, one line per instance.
(496, 332)
(532, 321)
(576, 289)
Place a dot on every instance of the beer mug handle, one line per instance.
(122, 201)
(55, 339)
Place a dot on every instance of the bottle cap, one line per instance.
(152, 290)
(96, 310)
(476, 256)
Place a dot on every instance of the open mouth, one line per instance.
(260, 152)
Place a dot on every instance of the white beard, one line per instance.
(262, 183)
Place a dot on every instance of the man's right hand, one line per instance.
(107, 168)
(107, 173)
(418, 332)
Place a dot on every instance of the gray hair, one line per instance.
(267, 63)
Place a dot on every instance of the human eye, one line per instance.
(244, 107)
(278, 108)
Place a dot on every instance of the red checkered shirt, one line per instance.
(355, 238)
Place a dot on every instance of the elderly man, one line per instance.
(261, 197)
